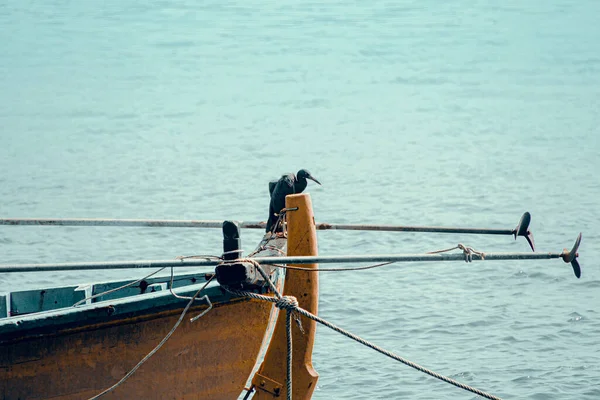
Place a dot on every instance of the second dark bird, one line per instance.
(287, 184)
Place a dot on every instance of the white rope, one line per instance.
(467, 251)
(119, 288)
(144, 278)
(163, 341)
(288, 304)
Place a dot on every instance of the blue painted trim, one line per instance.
(18, 327)
(33, 301)
(115, 310)
(39, 300)
(3, 305)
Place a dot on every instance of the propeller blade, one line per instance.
(571, 257)
(576, 268)
(522, 229)
(529, 238)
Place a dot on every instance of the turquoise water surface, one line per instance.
(410, 112)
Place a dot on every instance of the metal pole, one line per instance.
(522, 228)
(272, 260)
(154, 223)
(400, 228)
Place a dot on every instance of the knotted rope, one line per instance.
(467, 251)
(290, 304)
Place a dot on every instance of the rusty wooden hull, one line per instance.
(210, 358)
(76, 353)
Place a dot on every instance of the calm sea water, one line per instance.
(414, 112)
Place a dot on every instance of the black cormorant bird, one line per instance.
(287, 184)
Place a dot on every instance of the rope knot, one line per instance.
(289, 303)
(468, 252)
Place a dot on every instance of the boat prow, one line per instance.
(62, 352)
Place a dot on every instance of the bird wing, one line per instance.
(288, 179)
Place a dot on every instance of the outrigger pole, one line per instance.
(566, 255)
(522, 228)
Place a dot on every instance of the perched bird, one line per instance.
(287, 184)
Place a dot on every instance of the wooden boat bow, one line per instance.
(270, 380)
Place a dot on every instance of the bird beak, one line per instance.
(312, 178)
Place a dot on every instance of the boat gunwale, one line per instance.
(119, 311)
(124, 311)
(104, 314)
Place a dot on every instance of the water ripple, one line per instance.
(407, 114)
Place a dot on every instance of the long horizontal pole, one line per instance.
(272, 260)
(152, 223)
(173, 223)
(400, 228)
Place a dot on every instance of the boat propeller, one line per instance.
(522, 229)
(571, 257)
